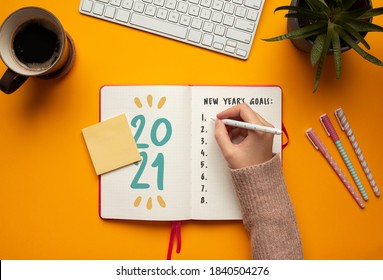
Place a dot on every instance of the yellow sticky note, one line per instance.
(111, 144)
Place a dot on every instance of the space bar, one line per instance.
(159, 26)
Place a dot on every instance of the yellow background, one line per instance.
(48, 187)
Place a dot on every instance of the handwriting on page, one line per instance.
(139, 122)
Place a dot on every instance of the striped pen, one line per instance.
(344, 124)
(330, 130)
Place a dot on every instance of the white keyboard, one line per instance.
(225, 26)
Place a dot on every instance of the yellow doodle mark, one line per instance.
(138, 102)
(161, 201)
(137, 202)
(149, 204)
(150, 100)
(161, 102)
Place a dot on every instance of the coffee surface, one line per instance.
(35, 45)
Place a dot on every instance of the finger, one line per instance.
(240, 112)
(222, 137)
(236, 132)
(264, 122)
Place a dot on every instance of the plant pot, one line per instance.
(306, 44)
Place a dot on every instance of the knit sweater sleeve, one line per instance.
(268, 214)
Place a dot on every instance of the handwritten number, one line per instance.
(140, 128)
(139, 122)
(135, 184)
(159, 162)
(153, 134)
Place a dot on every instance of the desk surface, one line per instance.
(49, 190)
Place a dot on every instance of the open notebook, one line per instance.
(183, 174)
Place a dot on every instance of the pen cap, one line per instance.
(330, 130)
(341, 119)
(314, 139)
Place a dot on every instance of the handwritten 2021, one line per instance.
(139, 122)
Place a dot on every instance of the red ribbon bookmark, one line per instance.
(174, 234)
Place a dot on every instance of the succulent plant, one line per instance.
(331, 27)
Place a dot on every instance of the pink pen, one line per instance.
(314, 139)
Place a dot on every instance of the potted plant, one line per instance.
(323, 27)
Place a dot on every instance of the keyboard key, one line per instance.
(240, 11)
(182, 7)
(98, 9)
(229, 8)
(229, 49)
(139, 7)
(241, 52)
(160, 3)
(87, 6)
(162, 13)
(104, 1)
(219, 30)
(218, 46)
(255, 4)
(217, 17)
(159, 26)
(205, 14)
(208, 27)
(207, 40)
(217, 5)
(185, 20)
(127, 4)
(110, 12)
(173, 17)
(252, 14)
(196, 23)
(228, 20)
(171, 4)
(150, 10)
(238, 35)
(244, 25)
(231, 43)
(116, 3)
(194, 36)
(122, 15)
(194, 10)
(205, 3)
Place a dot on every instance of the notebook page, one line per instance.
(213, 194)
(158, 187)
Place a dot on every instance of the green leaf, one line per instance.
(358, 25)
(358, 49)
(317, 48)
(303, 32)
(318, 5)
(337, 54)
(372, 13)
(309, 16)
(356, 13)
(347, 4)
(323, 55)
(345, 27)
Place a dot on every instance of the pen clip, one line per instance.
(323, 124)
(339, 114)
(309, 137)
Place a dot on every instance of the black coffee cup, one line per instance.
(33, 43)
